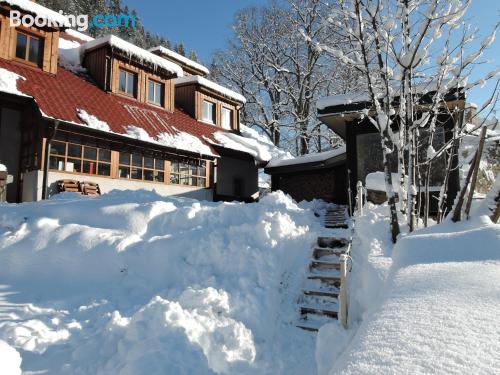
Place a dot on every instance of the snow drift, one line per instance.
(133, 283)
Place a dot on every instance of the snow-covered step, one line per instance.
(321, 293)
(324, 272)
(324, 265)
(313, 322)
(320, 253)
(327, 303)
(331, 242)
(331, 280)
(318, 310)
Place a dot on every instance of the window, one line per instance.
(155, 92)
(209, 111)
(29, 48)
(135, 166)
(191, 173)
(128, 83)
(79, 158)
(226, 118)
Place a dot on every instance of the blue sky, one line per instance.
(205, 25)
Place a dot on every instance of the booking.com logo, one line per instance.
(79, 22)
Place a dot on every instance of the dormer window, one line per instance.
(209, 112)
(29, 48)
(155, 92)
(226, 118)
(128, 83)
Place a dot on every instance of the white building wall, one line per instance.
(32, 186)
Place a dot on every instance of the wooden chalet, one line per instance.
(342, 114)
(125, 118)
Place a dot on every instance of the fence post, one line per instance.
(359, 197)
(343, 301)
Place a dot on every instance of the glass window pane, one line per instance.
(123, 81)
(124, 172)
(226, 116)
(208, 111)
(174, 166)
(104, 169)
(104, 155)
(89, 167)
(194, 169)
(34, 52)
(74, 150)
(159, 164)
(184, 180)
(151, 91)
(159, 176)
(124, 158)
(131, 83)
(183, 168)
(22, 42)
(148, 162)
(90, 153)
(148, 175)
(74, 165)
(159, 94)
(174, 178)
(58, 148)
(137, 160)
(136, 173)
(56, 163)
(201, 182)
(193, 181)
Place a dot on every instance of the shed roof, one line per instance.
(318, 160)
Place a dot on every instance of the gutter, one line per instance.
(45, 191)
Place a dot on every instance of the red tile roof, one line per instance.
(61, 95)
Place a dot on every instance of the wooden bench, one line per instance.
(90, 188)
(72, 186)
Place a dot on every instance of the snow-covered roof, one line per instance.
(79, 35)
(180, 58)
(224, 91)
(250, 142)
(363, 96)
(39, 10)
(137, 52)
(8, 82)
(305, 159)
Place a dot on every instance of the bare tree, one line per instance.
(274, 61)
(415, 57)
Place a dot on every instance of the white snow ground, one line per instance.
(430, 306)
(134, 283)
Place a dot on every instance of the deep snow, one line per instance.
(132, 283)
(428, 305)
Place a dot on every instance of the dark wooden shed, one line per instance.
(315, 176)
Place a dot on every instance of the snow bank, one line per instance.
(436, 312)
(224, 91)
(135, 283)
(134, 51)
(251, 142)
(10, 363)
(8, 82)
(70, 55)
(310, 158)
(3, 168)
(180, 58)
(376, 181)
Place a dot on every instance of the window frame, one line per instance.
(211, 121)
(29, 36)
(155, 170)
(231, 116)
(155, 83)
(190, 163)
(82, 159)
(127, 74)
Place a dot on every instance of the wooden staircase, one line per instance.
(336, 218)
(319, 302)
